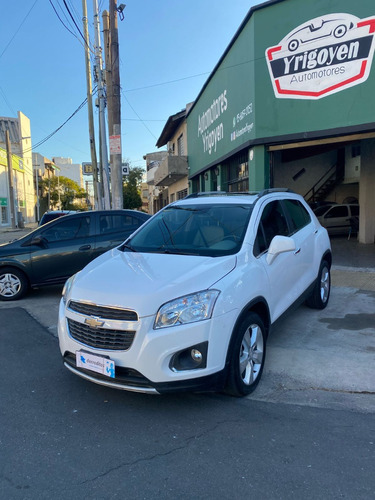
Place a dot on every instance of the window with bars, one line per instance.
(182, 194)
(4, 215)
(180, 146)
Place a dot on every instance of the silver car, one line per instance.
(339, 219)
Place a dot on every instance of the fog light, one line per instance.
(196, 355)
(191, 358)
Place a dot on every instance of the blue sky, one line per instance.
(167, 50)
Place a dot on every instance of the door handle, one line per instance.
(84, 247)
(297, 251)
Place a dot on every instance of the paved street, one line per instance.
(63, 437)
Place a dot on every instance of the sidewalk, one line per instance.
(8, 234)
(353, 264)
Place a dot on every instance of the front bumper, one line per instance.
(146, 365)
(130, 380)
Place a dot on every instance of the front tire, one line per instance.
(322, 288)
(13, 284)
(247, 356)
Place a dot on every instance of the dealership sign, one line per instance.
(322, 56)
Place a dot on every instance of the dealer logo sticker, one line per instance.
(322, 56)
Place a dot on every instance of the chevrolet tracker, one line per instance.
(187, 302)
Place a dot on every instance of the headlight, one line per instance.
(67, 287)
(188, 309)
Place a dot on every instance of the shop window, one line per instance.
(237, 169)
(4, 215)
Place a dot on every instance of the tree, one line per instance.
(63, 193)
(132, 188)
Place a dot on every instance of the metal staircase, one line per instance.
(325, 184)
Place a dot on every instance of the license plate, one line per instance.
(98, 364)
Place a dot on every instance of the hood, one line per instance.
(143, 282)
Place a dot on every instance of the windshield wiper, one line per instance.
(127, 246)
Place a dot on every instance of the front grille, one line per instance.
(103, 312)
(101, 338)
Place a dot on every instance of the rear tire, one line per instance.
(13, 284)
(322, 288)
(247, 356)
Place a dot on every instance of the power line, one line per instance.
(167, 82)
(6, 101)
(140, 119)
(62, 22)
(19, 27)
(74, 21)
(59, 128)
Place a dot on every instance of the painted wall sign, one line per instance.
(322, 56)
(210, 125)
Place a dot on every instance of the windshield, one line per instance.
(211, 230)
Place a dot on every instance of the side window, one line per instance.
(339, 211)
(272, 223)
(68, 229)
(118, 223)
(299, 216)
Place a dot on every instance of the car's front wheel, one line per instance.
(322, 288)
(247, 356)
(13, 284)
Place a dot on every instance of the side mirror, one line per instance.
(38, 241)
(279, 244)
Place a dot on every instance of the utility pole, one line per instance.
(98, 189)
(101, 97)
(10, 180)
(110, 29)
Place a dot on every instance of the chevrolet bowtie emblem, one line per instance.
(94, 322)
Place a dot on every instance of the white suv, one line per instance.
(187, 302)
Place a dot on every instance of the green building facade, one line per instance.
(296, 71)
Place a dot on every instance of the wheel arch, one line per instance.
(328, 258)
(259, 306)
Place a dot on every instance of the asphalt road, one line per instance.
(63, 437)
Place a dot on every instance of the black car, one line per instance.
(53, 252)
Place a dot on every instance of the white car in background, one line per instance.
(188, 301)
(339, 219)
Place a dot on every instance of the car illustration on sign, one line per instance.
(316, 31)
(322, 56)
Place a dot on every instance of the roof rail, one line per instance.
(221, 193)
(274, 190)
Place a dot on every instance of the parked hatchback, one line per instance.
(338, 219)
(53, 252)
(187, 302)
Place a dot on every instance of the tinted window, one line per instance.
(272, 223)
(68, 228)
(298, 214)
(118, 223)
(339, 211)
(321, 210)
